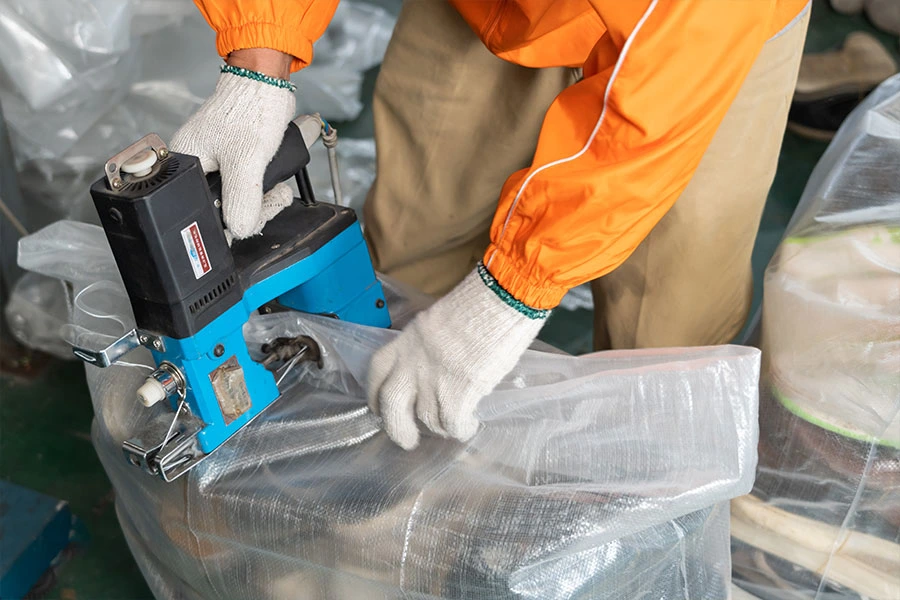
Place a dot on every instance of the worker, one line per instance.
(525, 147)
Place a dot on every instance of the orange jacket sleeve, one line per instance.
(617, 149)
(291, 26)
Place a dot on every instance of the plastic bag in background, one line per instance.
(36, 312)
(579, 297)
(45, 50)
(41, 305)
(103, 73)
(600, 476)
(63, 67)
(158, 101)
(354, 42)
(824, 517)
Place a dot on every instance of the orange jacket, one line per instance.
(615, 150)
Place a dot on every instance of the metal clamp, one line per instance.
(119, 348)
(176, 452)
(114, 165)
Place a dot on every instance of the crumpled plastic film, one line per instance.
(605, 476)
(36, 312)
(824, 517)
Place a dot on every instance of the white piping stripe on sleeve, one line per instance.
(587, 144)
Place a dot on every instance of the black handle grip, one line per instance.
(289, 161)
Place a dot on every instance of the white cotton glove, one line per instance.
(448, 358)
(237, 132)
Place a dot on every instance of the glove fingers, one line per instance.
(459, 419)
(242, 198)
(187, 140)
(380, 368)
(397, 398)
(208, 163)
(277, 199)
(427, 409)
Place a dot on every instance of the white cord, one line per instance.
(287, 368)
(75, 304)
(174, 420)
(98, 315)
(122, 363)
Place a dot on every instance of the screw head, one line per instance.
(217, 203)
(219, 350)
(143, 339)
(117, 183)
(379, 303)
(163, 153)
(157, 344)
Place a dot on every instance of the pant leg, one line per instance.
(452, 122)
(690, 282)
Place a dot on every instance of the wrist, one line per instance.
(485, 320)
(511, 301)
(272, 63)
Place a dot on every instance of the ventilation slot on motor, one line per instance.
(207, 299)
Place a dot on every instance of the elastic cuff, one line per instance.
(509, 299)
(261, 77)
(538, 295)
(266, 35)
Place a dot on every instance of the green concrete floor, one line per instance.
(45, 425)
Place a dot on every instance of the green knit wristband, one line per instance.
(509, 299)
(257, 76)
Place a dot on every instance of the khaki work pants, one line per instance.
(452, 122)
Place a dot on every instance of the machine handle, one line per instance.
(289, 161)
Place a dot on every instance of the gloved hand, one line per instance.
(237, 131)
(448, 358)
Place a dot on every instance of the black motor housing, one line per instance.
(168, 240)
(169, 244)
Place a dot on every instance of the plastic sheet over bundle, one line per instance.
(604, 476)
(824, 517)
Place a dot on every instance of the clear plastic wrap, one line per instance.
(604, 476)
(824, 517)
(36, 311)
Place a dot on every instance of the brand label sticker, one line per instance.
(196, 251)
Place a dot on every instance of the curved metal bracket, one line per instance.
(113, 166)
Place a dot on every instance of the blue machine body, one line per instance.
(192, 291)
(336, 280)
